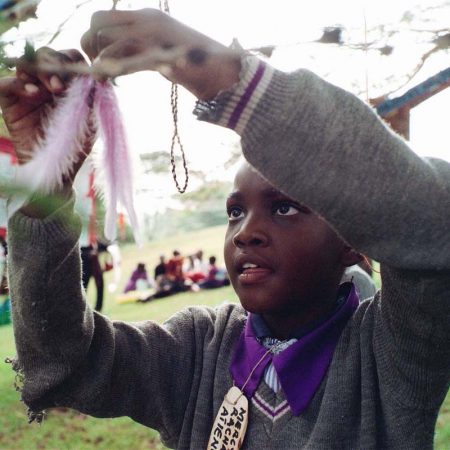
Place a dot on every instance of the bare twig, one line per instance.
(61, 25)
(416, 70)
(158, 59)
(441, 30)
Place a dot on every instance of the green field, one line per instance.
(67, 430)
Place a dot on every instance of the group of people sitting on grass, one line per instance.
(178, 274)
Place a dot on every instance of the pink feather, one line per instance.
(56, 154)
(115, 160)
(64, 132)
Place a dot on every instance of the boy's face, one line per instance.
(280, 256)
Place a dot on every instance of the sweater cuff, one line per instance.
(60, 226)
(234, 107)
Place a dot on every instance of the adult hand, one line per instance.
(132, 41)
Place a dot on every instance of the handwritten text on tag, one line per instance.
(231, 422)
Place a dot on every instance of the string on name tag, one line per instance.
(230, 425)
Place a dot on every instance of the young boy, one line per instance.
(319, 370)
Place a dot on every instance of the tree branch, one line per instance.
(61, 25)
(416, 70)
(160, 59)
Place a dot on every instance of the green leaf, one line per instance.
(29, 51)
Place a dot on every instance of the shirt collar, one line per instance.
(300, 367)
(261, 330)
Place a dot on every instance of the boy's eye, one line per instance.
(235, 213)
(286, 209)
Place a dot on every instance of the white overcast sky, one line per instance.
(292, 25)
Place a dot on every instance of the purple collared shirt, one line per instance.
(302, 366)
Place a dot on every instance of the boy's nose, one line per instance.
(251, 233)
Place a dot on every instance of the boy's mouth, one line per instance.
(251, 273)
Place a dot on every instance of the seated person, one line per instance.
(215, 278)
(196, 269)
(161, 268)
(174, 272)
(138, 280)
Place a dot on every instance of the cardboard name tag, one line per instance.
(229, 428)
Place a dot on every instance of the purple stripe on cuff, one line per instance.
(235, 116)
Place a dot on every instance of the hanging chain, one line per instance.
(164, 6)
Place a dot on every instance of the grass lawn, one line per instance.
(67, 430)
(64, 429)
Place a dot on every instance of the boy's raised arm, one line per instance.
(68, 354)
(318, 143)
(326, 148)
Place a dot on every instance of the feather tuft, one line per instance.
(115, 160)
(55, 155)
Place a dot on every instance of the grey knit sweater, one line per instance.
(390, 370)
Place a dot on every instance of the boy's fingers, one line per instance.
(11, 88)
(117, 18)
(19, 100)
(49, 61)
(87, 45)
(119, 58)
(38, 68)
(101, 20)
(110, 35)
(104, 24)
(48, 67)
(24, 76)
(31, 120)
(71, 56)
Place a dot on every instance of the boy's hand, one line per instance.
(25, 102)
(136, 41)
(27, 98)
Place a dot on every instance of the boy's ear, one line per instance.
(350, 257)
